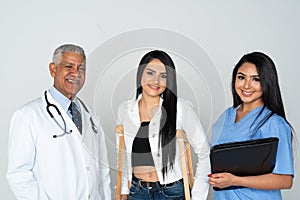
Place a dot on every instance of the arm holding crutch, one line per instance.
(198, 141)
(186, 162)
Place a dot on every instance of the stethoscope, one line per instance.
(64, 127)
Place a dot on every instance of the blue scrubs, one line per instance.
(226, 130)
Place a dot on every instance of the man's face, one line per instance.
(69, 74)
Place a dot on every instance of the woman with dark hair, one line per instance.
(150, 122)
(257, 112)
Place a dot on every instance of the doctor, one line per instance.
(49, 155)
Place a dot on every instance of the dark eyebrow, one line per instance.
(72, 64)
(152, 70)
(240, 73)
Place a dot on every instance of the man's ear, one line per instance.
(52, 69)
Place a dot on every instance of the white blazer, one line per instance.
(187, 120)
(41, 167)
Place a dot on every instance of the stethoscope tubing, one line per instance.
(64, 128)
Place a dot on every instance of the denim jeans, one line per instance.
(157, 192)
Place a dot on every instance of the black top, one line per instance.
(141, 150)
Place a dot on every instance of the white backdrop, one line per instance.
(205, 39)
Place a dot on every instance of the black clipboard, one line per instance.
(246, 158)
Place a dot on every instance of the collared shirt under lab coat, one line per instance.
(41, 167)
(187, 120)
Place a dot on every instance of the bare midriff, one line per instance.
(145, 173)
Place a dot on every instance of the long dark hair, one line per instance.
(167, 133)
(267, 72)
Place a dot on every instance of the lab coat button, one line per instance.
(87, 168)
(153, 135)
(89, 197)
(158, 155)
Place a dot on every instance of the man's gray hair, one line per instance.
(64, 49)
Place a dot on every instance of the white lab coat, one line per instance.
(71, 167)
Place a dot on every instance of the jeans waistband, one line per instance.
(150, 185)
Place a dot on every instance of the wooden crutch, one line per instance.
(185, 157)
(120, 132)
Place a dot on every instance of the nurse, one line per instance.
(257, 112)
(56, 144)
